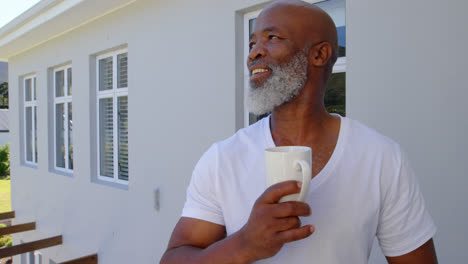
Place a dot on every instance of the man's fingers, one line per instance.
(296, 234)
(288, 223)
(274, 193)
(290, 209)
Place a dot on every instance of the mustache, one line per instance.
(259, 62)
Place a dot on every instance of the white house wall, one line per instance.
(406, 77)
(405, 62)
(181, 99)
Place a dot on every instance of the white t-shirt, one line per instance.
(366, 189)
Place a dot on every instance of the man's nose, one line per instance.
(257, 51)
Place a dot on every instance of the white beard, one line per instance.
(285, 82)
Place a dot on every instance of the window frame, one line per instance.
(340, 65)
(65, 99)
(113, 93)
(33, 104)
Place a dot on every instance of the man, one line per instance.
(362, 184)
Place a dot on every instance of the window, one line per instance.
(112, 116)
(33, 257)
(30, 120)
(336, 90)
(63, 119)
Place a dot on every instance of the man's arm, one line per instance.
(270, 226)
(198, 241)
(425, 254)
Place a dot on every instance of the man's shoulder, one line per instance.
(361, 135)
(245, 144)
(248, 137)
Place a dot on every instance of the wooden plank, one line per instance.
(7, 215)
(30, 246)
(91, 259)
(17, 228)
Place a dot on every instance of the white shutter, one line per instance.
(69, 81)
(35, 133)
(70, 137)
(105, 74)
(122, 62)
(123, 137)
(106, 137)
(29, 134)
(60, 135)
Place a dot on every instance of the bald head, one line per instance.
(310, 24)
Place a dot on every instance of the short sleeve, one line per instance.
(404, 223)
(202, 197)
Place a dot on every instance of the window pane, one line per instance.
(254, 118)
(35, 133)
(335, 95)
(105, 74)
(251, 26)
(122, 104)
(122, 60)
(59, 83)
(70, 137)
(336, 9)
(106, 137)
(28, 134)
(60, 135)
(69, 80)
(27, 89)
(341, 41)
(34, 88)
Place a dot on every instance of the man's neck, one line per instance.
(303, 125)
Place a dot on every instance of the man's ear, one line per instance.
(320, 54)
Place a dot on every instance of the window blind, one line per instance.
(106, 137)
(60, 135)
(122, 70)
(35, 133)
(70, 137)
(123, 137)
(29, 135)
(105, 74)
(69, 80)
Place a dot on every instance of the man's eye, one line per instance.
(273, 37)
(251, 44)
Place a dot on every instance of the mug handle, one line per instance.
(306, 177)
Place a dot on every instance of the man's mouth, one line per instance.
(259, 75)
(255, 71)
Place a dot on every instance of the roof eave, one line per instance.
(49, 19)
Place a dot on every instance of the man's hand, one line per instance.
(272, 224)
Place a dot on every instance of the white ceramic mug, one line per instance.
(289, 163)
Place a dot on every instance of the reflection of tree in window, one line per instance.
(335, 96)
